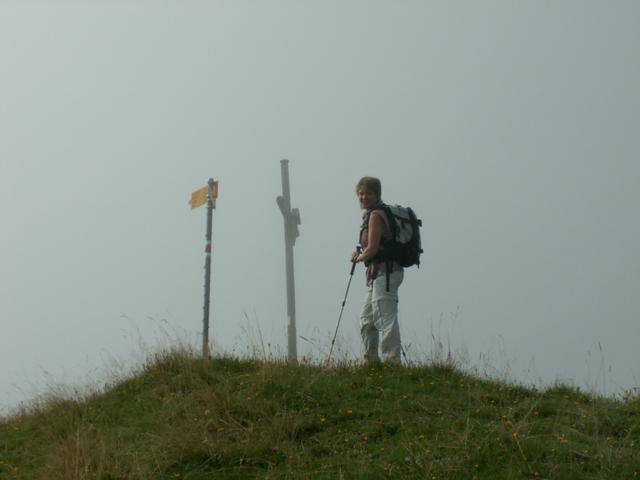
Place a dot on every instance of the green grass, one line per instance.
(183, 418)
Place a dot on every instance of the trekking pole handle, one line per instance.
(353, 266)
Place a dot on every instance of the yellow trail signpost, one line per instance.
(208, 195)
(201, 196)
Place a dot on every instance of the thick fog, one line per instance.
(511, 128)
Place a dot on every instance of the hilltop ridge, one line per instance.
(183, 418)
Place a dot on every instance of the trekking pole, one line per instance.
(404, 355)
(335, 334)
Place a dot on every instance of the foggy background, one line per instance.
(511, 128)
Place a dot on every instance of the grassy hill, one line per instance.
(182, 418)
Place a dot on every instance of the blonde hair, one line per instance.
(370, 183)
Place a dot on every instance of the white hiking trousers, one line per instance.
(379, 319)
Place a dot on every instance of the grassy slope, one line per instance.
(182, 419)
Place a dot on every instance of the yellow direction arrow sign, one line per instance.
(201, 196)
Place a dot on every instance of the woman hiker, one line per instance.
(379, 316)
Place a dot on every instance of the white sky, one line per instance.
(512, 129)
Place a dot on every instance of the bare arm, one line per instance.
(374, 238)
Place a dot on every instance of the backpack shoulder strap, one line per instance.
(390, 219)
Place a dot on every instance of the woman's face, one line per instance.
(368, 198)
